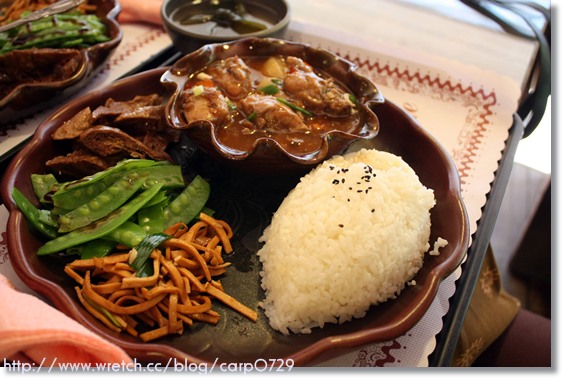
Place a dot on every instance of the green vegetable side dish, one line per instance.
(66, 30)
(121, 205)
(100, 228)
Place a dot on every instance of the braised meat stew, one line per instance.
(279, 97)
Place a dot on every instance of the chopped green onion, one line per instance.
(276, 81)
(232, 106)
(252, 116)
(104, 311)
(141, 263)
(353, 98)
(294, 107)
(270, 89)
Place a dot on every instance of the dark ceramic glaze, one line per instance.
(247, 203)
(187, 41)
(27, 98)
(266, 155)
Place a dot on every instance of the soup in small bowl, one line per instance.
(192, 24)
(269, 105)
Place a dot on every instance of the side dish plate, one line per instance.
(27, 98)
(248, 203)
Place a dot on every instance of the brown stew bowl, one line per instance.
(247, 203)
(266, 155)
(27, 98)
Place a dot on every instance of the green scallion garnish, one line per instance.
(270, 89)
(231, 106)
(294, 107)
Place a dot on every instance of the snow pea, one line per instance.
(102, 227)
(128, 234)
(163, 172)
(101, 205)
(188, 204)
(72, 194)
(47, 218)
(56, 31)
(161, 198)
(43, 185)
(32, 214)
(97, 248)
(151, 219)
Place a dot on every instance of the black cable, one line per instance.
(535, 103)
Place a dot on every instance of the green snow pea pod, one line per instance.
(160, 198)
(43, 185)
(188, 204)
(32, 214)
(101, 205)
(55, 31)
(151, 219)
(102, 227)
(128, 234)
(46, 217)
(163, 172)
(158, 172)
(72, 194)
(97, 248)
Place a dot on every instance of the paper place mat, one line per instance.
(140, 42)
(467, 109)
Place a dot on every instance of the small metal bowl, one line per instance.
(266, 156)
(187, 38)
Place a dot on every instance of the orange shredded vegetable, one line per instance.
(179, 293)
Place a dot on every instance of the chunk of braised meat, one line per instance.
(138, 121)
(210, 105)
(107, 141)
(74, 126)
(268, 113)
(159, 141)
(317, 94)
(114, 108)
(233, 76)
(79, 163)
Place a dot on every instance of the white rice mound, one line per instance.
(351, 234)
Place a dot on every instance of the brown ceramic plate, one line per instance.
(24, 99)
(247, 203)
